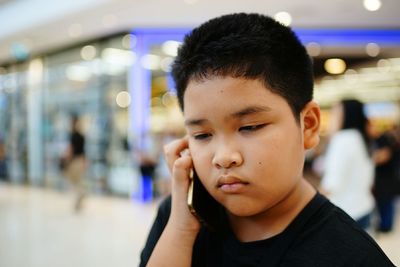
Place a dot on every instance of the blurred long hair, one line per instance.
(354, 118)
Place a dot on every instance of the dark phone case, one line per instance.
(208, 210)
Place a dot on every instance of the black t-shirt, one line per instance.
(322, 235)
(78, 144)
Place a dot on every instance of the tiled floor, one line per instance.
(38, 228)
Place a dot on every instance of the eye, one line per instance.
(251, 128)
(201, 136)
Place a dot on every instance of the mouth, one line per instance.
(231, 184)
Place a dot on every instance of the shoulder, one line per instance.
(343, 139)
(346, 136)
(165, 205)
(332, 238)
(164, 210)
(348, 140)
(156, 230)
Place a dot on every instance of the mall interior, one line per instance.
(107, 63)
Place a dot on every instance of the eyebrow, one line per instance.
(237, 114)
(195, 122)
(249, 111)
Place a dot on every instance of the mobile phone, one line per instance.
(202, 205)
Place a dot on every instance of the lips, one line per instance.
(231, 184)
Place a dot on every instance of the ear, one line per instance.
(310, 119)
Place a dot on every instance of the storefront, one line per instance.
(122, 91)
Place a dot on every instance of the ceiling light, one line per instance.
(88, 52)
(169, 99)
(123, 99)
(150, 62)
(372, 49)
(170, 48)
(313, 49)
(335, 65)
(283, 17)
(384, 65)
(129, 41)
(351, 76)
(351, 72)
(166, 64)
(118, 56)
(372, 5)
(19, 51)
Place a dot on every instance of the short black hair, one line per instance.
(250, 46)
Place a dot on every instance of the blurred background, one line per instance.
(87, 102)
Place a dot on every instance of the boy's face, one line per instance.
(246, 145)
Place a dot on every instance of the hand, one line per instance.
(175, 246)
(180, 164)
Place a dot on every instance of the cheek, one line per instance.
(261, 159)
(264, 149)
(201, 159)
(279, 153)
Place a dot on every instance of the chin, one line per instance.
(242, 214)
(242, 209)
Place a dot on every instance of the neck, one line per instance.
(275, 219)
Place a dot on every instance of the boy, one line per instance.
(245, 83)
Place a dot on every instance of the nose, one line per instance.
(227, 156)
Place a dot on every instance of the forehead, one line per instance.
(227, 94)
(216, 86)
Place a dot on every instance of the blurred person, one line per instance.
(162, 174)
(147, 156)
(3, 162)
(162, 178)
(348, 167)
(248, 127)
(74, 161)
(386, 155)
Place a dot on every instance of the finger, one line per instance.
(173, 151)
(181, 170)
